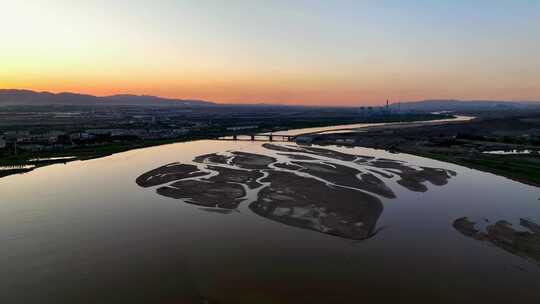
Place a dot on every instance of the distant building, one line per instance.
(52, 136)
(55, 133)
(111, 132)
(362, 111)
(240, 128)
(181, 131)
(32, 147)
(80, 135)
(119, 132)
(2, 144)
(369, 111)
(19, 135)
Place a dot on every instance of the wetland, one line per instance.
(251, 222)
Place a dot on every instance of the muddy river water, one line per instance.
(253, 222)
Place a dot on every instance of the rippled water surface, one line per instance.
(247, 223)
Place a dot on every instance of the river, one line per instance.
(296, 225)
(360, 126)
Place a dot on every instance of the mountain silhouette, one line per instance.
(32, 98)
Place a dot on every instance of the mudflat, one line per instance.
(310, 204)
(168, 173)
(318, 189)
(523, 241)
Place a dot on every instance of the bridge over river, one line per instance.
(305, 134)
(259, 137)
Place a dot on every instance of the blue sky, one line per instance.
(310, 52)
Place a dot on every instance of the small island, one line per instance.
(317, 189)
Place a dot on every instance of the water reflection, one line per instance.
(312, 188)
(522, 240)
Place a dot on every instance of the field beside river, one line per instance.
(503, 146)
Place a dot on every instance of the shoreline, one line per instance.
(89, 152)
(449, 143)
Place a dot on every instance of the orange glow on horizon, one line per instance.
(346, 54)
(263, 91)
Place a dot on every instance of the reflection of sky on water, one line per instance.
(508, 152)
(73, 232)
(316, 193)
(359, 127)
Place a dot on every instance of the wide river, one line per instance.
(267, 224)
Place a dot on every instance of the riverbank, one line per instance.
(469, 144)
(23, 162)
(27, 162)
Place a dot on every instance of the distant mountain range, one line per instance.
(27, 97)
(462, 105)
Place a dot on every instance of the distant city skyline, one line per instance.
(351, 53)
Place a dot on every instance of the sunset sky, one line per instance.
(334, 52)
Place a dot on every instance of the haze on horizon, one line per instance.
(304, 52)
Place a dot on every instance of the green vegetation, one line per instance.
(26, 161)
(522, 168)
(462, 143)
